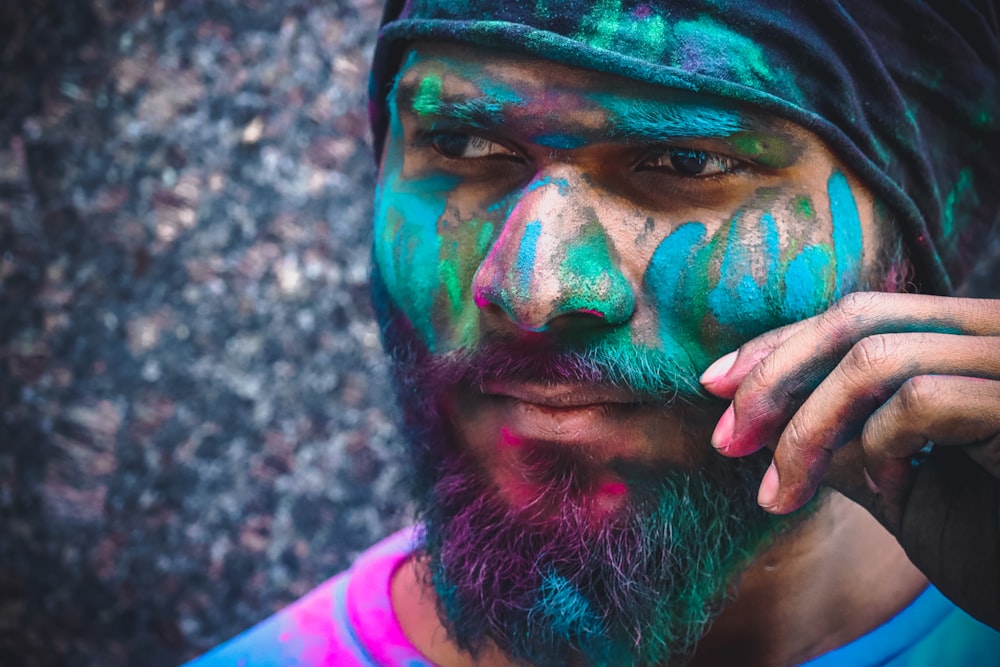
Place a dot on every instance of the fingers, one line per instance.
(723, 377)
(945, 410)
(776, 372)
(870, 374)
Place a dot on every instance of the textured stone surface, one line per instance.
(194, 427)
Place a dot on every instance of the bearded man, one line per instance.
(669, 289)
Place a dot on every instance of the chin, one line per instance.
(576, 583)
(592, 551)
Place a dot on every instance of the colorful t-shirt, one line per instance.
(349, 622)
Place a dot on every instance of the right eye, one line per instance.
(460, 146)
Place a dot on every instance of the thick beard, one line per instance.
(639, 588)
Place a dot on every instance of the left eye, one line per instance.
(468, 146)
(687, 162)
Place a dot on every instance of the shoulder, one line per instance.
(341, 622)
(931, 631)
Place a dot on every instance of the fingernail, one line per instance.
(872, 486)
(723, 433)
(768, 492)
(719, 368)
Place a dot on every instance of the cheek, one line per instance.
(427, 260)
(407, 245)
(713, 290)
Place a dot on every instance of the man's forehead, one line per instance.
(487, 87)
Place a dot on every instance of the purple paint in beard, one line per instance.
(633, 590)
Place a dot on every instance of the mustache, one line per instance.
(648, 374)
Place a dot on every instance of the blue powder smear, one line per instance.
(847, 236)
(738, 301)
(806, 290)
(526, 255)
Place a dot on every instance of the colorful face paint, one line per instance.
(551, 296)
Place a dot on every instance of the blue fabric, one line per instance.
(930, 632)
(348, 622)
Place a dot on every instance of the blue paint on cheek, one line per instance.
(807, 284)
(671, 259)
(526, 255)
(665, 280)
(407, 243)
(738, 301)
(847, 234)
(409, 255)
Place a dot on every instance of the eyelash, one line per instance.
(436, 139)
(727, 165)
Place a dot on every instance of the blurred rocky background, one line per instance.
(194, 422)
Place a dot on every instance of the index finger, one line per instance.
(776, 372)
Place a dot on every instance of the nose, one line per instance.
(554, 259)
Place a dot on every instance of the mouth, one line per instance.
(562, 396)
(551, 445)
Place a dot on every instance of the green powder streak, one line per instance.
(608, 26)
(961, 191)
(803, 207)
(428, 98)
(592, 279)
(711, 48)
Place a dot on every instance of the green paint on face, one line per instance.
(651, 120)
(407, 245)
(591, 272)
(461, 253)
(738, 301)
(769, 150)
(803, 207)
(485, 238)
(428, 97)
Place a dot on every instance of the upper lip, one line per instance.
(562, 395)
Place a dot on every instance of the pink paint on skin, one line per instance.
(613, 489)
(508, 439)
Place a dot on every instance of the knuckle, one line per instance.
(856, 305)
(916, 395)
(870, 354)
(848, 315)
(761, 375)
(794, 440)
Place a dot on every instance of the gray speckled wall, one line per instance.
(195, 427)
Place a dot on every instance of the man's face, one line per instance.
(558, 255)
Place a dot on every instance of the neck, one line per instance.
(829, 581)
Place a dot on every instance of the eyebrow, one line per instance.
(651, 120)
(628, 118)
(478, 112)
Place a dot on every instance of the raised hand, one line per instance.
(893, 400)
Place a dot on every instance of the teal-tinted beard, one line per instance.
(637, 590)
